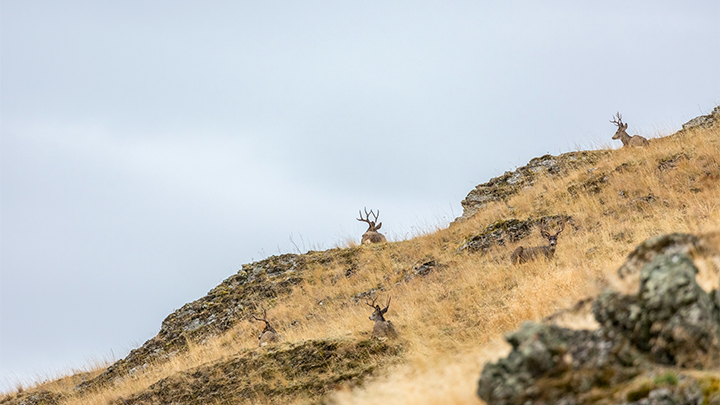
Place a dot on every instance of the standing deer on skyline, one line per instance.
(269, 334)
(523, 254)
(382, 328)
(371, 235)
(621, 133)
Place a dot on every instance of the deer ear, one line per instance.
(625, 126)
(378, 225)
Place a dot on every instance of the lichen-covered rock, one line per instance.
(548, 364)
(592, 184)
(658, 245)
(669, 325)
(34, 398)
(703, 121)
(507, 231)
(502, 187)
(222, 308)
(671, 317)
(308, 369)
(671, 161)
(666, 389)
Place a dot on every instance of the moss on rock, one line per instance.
(255, 284)
(502, 187)
(284, 373)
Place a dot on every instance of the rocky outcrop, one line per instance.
(34, 398)
(508, 231)
(703, 121)
(502, 187)
(222, 308)
(510, 183)
(670, 328)
(671, 319)
(309, 369)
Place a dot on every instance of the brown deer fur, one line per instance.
(269, 334)
(622, 135)
(523, 254)
(371, 235)
(382, 328)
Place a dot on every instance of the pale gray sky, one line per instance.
(148, 149)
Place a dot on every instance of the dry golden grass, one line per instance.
(452, 321)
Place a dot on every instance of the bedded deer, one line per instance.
(269, 334)
(523, 254)
(621, 133)
(371, 235)
(382, 329)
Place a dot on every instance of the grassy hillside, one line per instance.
(454, 292)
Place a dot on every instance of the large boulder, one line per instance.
(650, 348)
(671, 317)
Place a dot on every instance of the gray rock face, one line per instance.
(502, 187)
(671, 317)
(550, 364)
(34, 398)
(508, 231)
(669, 324)
(221, 309)
(703, 121)
(658, 245)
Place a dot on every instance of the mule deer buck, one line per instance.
(371, 235)
(621, 133)
(523, 254)
(269, 334)
(382, 329)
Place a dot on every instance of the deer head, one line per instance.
(371, 224)
(617, 120)
(378, 315)
(523, 254)
(268, 328)
(551, 238)
(382, 329)
(622, 135)
(268, 335)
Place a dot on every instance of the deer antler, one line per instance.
(264, 318)
(367, 217)
(387, 305)
(371, 304)
(617, 119)
(543, 229)
(562, 225)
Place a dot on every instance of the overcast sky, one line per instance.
(149, 149)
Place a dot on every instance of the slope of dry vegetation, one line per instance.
(450, 306)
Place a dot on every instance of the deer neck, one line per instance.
(624, 137)
(377, 316)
